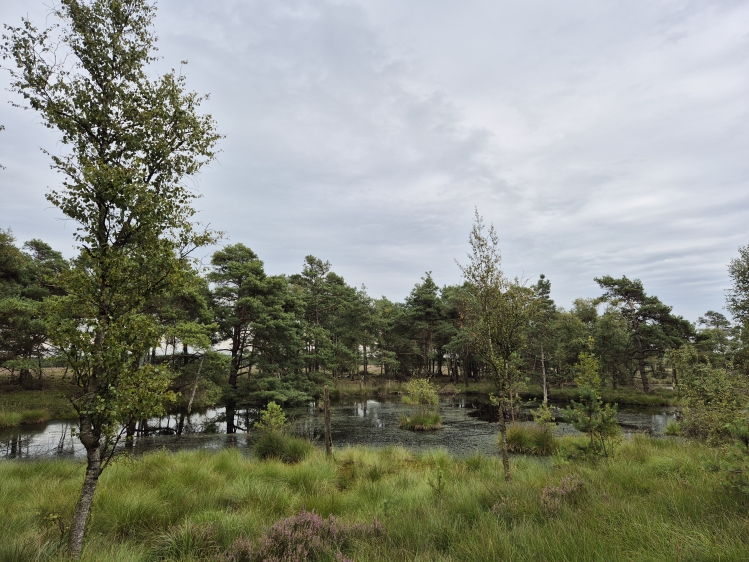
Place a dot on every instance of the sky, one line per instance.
(599, 137)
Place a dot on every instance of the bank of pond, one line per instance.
(468, 424)
(656, 499)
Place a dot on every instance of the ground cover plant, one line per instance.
(656, 500)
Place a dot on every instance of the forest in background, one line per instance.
(261, 338)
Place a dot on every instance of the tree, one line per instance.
(129, 142)
(737, 297)
(497, 313)
(27, 279)
(540, 332)
(591, 415)
(652, 326)
(257, 314)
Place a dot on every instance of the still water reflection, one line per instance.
(354, 422)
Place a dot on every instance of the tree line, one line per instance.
(280, 336)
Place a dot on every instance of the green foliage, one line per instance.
(591, 415)
(543, 415)
(595, 418)
(272, 419)
(587, 370)
(422, 392)
(713, 398)
(657, 499)
(10, 419)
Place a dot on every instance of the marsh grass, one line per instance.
(531, 439)
(656, 500)
(421, 421)
(281, 446)
(10, 419)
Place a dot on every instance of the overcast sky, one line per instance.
(600, 137)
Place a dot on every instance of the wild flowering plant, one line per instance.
(569, 490)
(303, 537)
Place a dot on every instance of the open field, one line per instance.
(657, 500)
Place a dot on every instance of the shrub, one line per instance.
(302, 537)
(422, 392)
(272, 418)
(278, 445)
(530, 440)
(423, 395)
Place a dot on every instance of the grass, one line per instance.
(52, 398)
(283, 447)
(421, 421)
(530, 439)
(25, 417)
(377, 385)
(657, 500)
(621, 396)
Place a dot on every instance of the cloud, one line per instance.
(600, 138)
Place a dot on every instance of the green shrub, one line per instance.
(272, 418)
(283, 447)
(530, 440)
(421, 421)
(422, 392)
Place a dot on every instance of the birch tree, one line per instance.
(127, 141)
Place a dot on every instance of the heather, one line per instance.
(655, 499)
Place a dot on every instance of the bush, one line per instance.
(272, 418)
(422, 392)
(530, 440)
(283, 447)
(421, 421)
(302, 537)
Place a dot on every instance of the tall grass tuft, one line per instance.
(526, 439)
(421, 421)
(30, 417)
(10, 419)
(283, 447)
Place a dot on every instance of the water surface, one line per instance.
(467, 427)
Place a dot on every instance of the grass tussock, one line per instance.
(421, 421)
(656, 500)
(10, 419)
(25, 417)
(281, 446)
(530, 439)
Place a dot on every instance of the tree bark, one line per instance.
(543, 372)
(328, 436)
(83, 507)
(641, 365)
